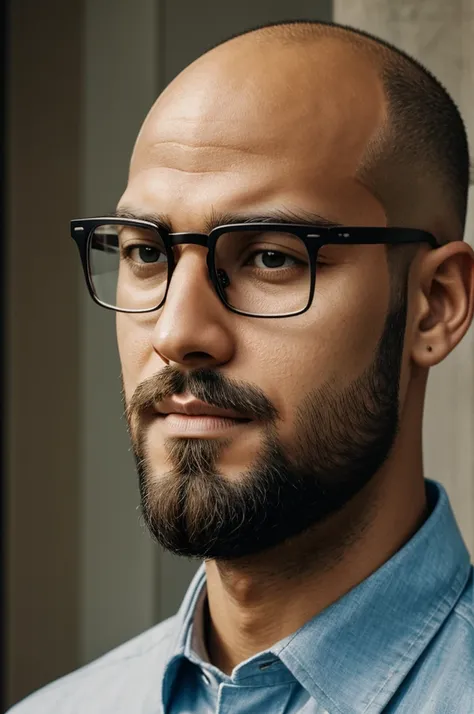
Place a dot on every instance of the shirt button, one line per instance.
(206, 678)
(266, 665)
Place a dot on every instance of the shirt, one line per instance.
(401, 641)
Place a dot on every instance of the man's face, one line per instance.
(230, 136)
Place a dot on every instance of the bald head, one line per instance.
(421, 150)
(329, 101)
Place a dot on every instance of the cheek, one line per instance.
(134, 351)
(349, 318)
(335, 341)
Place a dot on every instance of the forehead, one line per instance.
(258, 121)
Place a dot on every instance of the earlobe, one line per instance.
(446, 304)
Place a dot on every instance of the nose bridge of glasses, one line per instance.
(188, 239)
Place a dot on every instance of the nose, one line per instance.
(193, 328)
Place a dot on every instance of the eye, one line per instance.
(142, 253)
(267, 259)
(140, 246)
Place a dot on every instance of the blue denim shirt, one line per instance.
(400, 642)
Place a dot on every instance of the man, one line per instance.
(286, 264)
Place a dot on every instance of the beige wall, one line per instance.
(439, 34)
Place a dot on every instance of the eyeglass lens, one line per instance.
(260, 272)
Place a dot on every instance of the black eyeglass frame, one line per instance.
(313, 236)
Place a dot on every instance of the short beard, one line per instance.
(341, 440)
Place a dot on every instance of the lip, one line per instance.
(192, 407)
(176, 424)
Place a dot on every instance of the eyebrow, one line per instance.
(217, 218)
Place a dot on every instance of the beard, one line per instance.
(341, 439)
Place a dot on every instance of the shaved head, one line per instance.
(421, 150)
(253, 110)
(412, 151)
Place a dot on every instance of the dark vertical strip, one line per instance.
(4, 484)
(161, 45)
(41, 361)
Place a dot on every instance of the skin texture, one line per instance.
(228, 135)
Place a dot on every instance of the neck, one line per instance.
(302, 577)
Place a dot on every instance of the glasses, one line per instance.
(257, 269)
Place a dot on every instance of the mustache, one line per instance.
(210, 386)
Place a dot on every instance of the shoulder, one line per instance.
(453, 645)
(446, 668)
(110, 683)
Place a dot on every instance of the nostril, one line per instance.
(198, 356)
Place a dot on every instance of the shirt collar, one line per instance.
(353, 655)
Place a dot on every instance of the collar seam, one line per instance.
(446, 599)
(405, 657)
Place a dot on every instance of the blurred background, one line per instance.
(81, 573)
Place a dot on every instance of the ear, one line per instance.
(444, 303)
